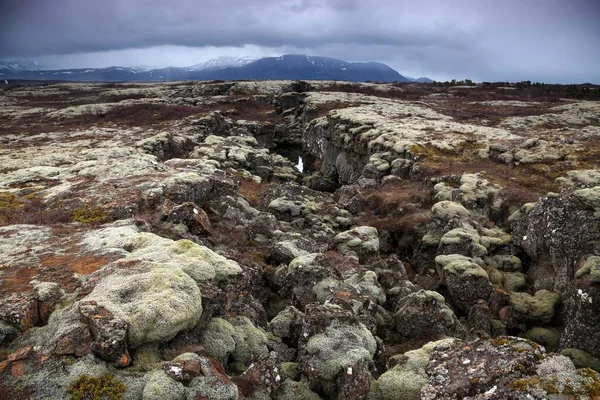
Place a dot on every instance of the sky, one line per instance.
(555, 41)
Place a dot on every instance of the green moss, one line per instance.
(543, 336)
(537, 308)
(290, 370)
(581, 359)
(88, 388)
(89, 213)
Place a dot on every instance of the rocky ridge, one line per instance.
(157, 241)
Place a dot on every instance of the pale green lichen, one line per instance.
(590, 197)
(460, 265)
(406, 379)
(338, 347)
(160, 386)
(591, 267)
(156, 302)
(237, 340)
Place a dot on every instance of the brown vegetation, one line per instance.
(252, 191)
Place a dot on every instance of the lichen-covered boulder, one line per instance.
(287, 324)
(286, 250)
(543, 336)
(536, 309)
(504, 368)
(236, 338)
(559, 232)
(336, 352)
(466, 281)
(299, 279)
(292, 390)
(424, 316)
(160, 386)
(406, 379)
(155, 302)
(217, 339)
(362, 240)
(581, 359)
(591, 268)
(197, 261)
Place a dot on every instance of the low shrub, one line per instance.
(89, 213)
(89, 388)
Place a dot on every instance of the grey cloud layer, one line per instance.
(66, 26)
(474, 37)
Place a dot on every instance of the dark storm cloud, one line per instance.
(482, 39)
(67, 26)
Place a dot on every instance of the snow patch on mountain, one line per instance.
(222, 62)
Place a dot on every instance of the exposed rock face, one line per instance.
(160, 239)
(557, 234)
(503, 368)
(424, 316)
(336, 353)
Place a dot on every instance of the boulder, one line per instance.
(424, 316)
(161, 386)
(406, 379)
(336, 352)
(236, 340)
(155, 302)
(504, 368)
(557, 233)
(466, 281)
(362, 240)
(536, 309)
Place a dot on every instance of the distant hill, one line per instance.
(422, 79)
(22, 65)
(291, 66)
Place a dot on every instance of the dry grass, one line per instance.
(521, 184)
(30, 209)
(147, 114)
(401, 209)
(466, 111)
(252, 191)
(324, 108)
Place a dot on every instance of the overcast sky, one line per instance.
(539, 40)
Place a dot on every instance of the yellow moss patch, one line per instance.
(89, 388)
(89, 213)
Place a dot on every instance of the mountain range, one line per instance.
(290, 66)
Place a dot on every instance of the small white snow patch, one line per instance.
(349, 371)
(195, 211)
(300, 165)
(175, 370)
(467, 361)
(277, 378)
(525, 237)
